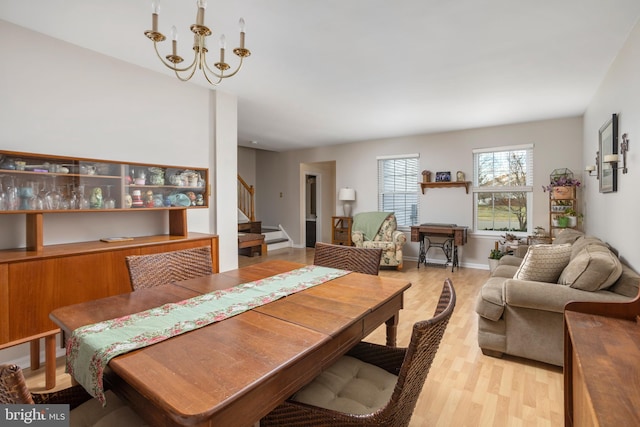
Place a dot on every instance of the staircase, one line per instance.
(275, 237)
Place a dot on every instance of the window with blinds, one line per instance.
(503, 188)
(398, 187)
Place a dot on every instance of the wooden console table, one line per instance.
(601, 353)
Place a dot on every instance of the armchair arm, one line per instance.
(357, 237)
(398, 238)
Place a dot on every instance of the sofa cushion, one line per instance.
(585, 241)
(351, 386)
(505, 270)
(511, 260)
(544, 263)
(568, 235)
(595, 267)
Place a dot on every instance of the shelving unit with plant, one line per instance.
(563, 200)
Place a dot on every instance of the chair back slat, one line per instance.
(13, 388)
(359, 260)
(146, 271)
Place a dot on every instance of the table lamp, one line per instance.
(347, 195)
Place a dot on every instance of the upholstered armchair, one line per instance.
(379, 230)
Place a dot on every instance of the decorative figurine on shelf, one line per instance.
(192, 196)
(148, 199)
(95, 202)
(460, 176)
(158, 200)
(128, 201)
(136, 199)
(199, 200)
(426, 176)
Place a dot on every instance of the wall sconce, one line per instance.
(594, 168)
(613, 159)
(347, 195)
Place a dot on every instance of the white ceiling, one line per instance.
(333, 71)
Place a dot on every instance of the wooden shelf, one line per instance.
(464, 184)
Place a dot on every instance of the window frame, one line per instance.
(410, 180)
(527, 189)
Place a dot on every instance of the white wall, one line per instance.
(57, 98)
(613, 216)
(558, 144)
(61, 99)
(247, 165)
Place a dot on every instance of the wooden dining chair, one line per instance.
(372, 384)
(359, 260)
(146, 271)
(85, 411)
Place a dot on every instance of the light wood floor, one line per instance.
(464, 387)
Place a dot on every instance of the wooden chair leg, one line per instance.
(50, 361)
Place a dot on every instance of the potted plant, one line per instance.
(560, 185)
(571, 215)
(563, 220)
(494, 258)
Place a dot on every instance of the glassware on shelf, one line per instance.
(53, 198)
(11, 191)
(3, 198)
(38, 197)
(26, 198)
(65, 199)
(82, 202)
(109, 202)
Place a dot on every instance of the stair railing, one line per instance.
(246, 195)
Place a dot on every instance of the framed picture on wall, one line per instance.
(443, 176)
(608, 144)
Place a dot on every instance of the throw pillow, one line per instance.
(593, 269)
(544, 263)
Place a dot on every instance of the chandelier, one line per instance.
(200, 33)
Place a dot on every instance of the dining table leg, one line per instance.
(392, 330)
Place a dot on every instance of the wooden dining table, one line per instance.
(234, 372)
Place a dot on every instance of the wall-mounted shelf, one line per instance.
(464, 184)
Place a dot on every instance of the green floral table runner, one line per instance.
(91, 347)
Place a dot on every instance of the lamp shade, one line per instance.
(347, 194)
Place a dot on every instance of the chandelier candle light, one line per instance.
(200, 32)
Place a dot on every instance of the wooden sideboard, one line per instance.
(33, 283)
(602, 349)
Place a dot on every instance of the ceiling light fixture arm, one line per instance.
(200, 32)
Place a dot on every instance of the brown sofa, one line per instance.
(524, 317)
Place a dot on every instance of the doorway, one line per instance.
(311, 210)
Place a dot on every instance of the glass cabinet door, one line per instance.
(36, 182)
